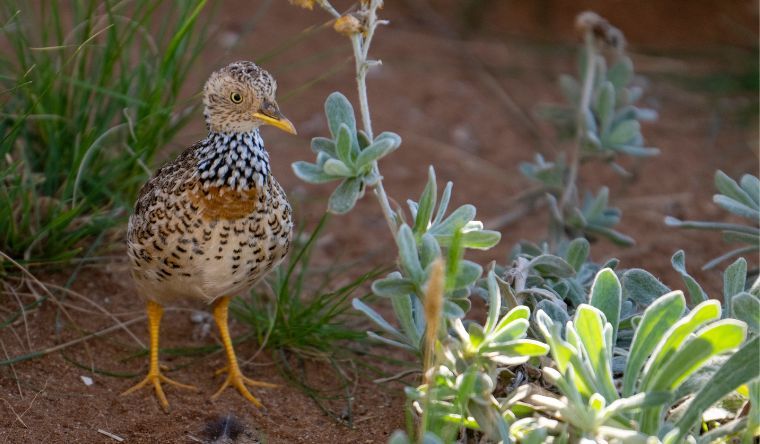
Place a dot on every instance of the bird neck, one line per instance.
(234, 160)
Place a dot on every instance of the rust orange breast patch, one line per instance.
(223, 202)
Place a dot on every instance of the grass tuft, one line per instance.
(89, 97)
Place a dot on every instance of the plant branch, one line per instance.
(580, 131)
(360, 44)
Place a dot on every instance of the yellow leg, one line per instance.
(155, 311)
(234, 376)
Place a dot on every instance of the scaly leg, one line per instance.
(155, 311)
(234, 376)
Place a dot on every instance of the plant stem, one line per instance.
(580, 124)
(361, 44)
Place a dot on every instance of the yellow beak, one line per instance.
(279, 122)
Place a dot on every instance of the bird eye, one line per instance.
(236, 97)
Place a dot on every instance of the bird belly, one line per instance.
(217, 258)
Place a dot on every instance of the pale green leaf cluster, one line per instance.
(740, 198)
(668, 347)
(611, 123)
(348, 156)
(467, 371)
(431, 233)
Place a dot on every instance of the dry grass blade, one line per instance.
(65, 345)
(31, 403)
(13, 370)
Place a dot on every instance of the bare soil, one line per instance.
(462, 94)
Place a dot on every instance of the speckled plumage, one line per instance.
(212, 222)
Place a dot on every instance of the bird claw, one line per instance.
(156, 378)
(236, 379)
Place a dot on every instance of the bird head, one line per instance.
(240, 98)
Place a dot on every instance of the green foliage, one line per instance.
(348, 156)
(87, 107)
(741, 199)
(667, 348)
(601, 117)
(466, 371)
(611, 120)
(430, 234)
(623, 351)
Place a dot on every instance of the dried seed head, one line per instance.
(348, 25)
(433, 306)
(306, 4)
(589, 21)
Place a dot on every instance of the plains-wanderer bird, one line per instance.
(214, 221)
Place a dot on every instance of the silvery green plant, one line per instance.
(669, 347)
(740, 198)
(467, 365)
(602, 118)
(351, 155)
(348, 156)
(430, 234)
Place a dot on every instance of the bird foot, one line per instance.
(155, 378)
(236, 379)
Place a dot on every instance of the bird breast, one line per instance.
(202, 244)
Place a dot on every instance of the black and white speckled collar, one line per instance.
(235, 160)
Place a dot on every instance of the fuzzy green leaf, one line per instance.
(335, 167)
(577, 252)
(408, 257)
(637, 151)
(673, 339)
(741, 368)
(518, 348)
(455, 221)
(480, 239)
(468, 273)
(343, 199)
(444, 203)
(339, 111)
(620, 73)
(696, 294)
(426, 205)
(624, 132)
(605, 104)
(343, 145)
(311, 173)
(376, 318)
(323, 145)
(710, 341)
(731, 189)
(746, 307)
(641, 287)
(402, 307)
(657, 319)
(734, 279)
(509, 331)
(378, 149)
(589, 322)
(606, 295)
(393, 286)
(452, 310)
(554, 311)
(494, 302)
(738, 208)
(751, 185)
(550, 265)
